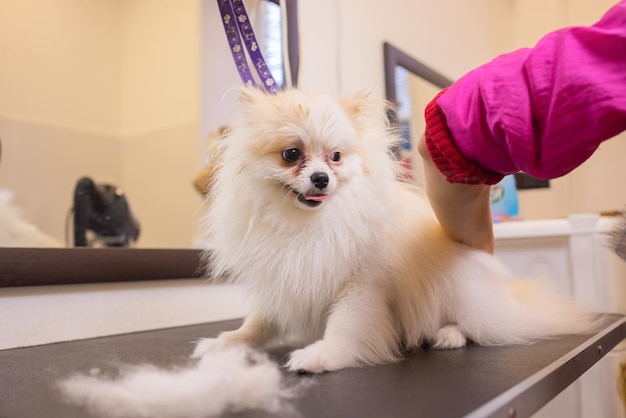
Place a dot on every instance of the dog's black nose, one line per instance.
(319, 179)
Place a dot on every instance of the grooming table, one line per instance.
(511, 381)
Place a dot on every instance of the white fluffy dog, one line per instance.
(340, 257)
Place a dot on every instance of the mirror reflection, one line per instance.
(410, 85)
(106, 112)
(414, 93)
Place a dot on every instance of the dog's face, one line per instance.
(301, 148)
(309, 174)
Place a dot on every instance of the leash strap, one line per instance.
(237, 26)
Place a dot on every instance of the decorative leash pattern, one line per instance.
(237, 26)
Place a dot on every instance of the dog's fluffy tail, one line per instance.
(518, 311)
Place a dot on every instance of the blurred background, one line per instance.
(127, 91)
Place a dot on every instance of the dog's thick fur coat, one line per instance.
(307, 213)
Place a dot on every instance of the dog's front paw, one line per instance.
(319, 357)
(449, 337)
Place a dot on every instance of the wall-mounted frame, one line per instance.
(393, 58)
(409, 86)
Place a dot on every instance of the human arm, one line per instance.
(543, 111)
(463, 210)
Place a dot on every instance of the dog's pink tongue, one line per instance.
(317, 198)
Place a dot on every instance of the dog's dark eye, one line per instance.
(291, 155)
(335, 157)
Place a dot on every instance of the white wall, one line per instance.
(46, 314)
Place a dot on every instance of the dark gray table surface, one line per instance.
(473, 381)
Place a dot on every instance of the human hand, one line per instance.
(462, 210)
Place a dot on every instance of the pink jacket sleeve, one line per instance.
(543, 110)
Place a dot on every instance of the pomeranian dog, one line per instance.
(342, 258)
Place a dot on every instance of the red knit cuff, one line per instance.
(445, 154)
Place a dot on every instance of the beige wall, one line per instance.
(107, 89)
(160, 117)
(452, 36)
(41, 164)
(158, 168)
(160, 56)
(58, 107)
(60, 63)
(125, 90)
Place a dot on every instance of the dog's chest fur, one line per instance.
(296, 268)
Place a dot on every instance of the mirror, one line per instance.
(410, 85)
(125, 93)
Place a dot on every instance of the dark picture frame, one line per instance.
(394, 57)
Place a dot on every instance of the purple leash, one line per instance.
(237, 26)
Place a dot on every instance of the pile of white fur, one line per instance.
(15, 230)
(234, 380)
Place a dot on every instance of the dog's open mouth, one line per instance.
(312, 200)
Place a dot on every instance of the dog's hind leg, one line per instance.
(449, 337)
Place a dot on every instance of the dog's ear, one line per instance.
(252, 101)
(354, 105)
(363, 104)
(249, 95)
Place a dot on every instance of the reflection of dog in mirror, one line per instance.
(204, 178)
(341, 258)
